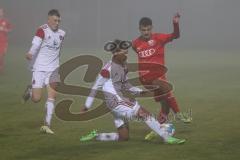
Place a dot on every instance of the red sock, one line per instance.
(162, 117)
(172, 103)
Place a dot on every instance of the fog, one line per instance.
(89, 23)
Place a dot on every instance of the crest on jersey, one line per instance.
(55, 42)
(138, 48)
(151, 42)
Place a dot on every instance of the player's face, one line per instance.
(121, 55)
(146, 31)
(53, 22)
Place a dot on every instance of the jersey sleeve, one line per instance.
(40, 33)
(97, 85)
(37, 41)
(165, 38)
(105, 73)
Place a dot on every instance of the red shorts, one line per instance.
(162, 92)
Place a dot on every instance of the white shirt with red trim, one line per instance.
(46, 46)
(112, 80)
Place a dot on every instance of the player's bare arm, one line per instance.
(176, 31)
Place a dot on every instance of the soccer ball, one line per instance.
(169, 128)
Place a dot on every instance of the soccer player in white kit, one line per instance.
(113, 82)
(43, 58)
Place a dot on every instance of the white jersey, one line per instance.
(113, 82)
(46, 46)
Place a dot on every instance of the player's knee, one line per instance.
(123, 138)
(52, 95)
(123, 133)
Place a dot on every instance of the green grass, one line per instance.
(206, 81)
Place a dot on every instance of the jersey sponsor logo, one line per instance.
(55, 47)
(146, 53)
(55, 43)
(151, 42)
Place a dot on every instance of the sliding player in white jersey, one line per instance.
(113, 82)
(43, 58)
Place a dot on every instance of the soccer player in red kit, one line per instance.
(5, 27)
(149, 48)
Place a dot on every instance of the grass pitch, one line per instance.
(206, 81)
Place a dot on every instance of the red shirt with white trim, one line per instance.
(152, 51)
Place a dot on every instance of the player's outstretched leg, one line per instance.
(151, 135)
(121, 135)
(94, 135)
(157, 127)
(171, 102)
(90, 136)
(162, 118)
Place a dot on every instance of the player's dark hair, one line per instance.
(54, 12)
(145, 21)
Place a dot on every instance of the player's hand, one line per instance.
(176, 18)
(84, 109)
(29, 56)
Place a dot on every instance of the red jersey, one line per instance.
(5, 27)
(152, 51)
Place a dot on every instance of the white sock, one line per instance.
(156, 126)
(49, 111)
(107, 137)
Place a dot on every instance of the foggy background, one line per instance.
(205, 24)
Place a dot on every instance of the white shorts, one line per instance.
(123, 113)
(41, 79)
